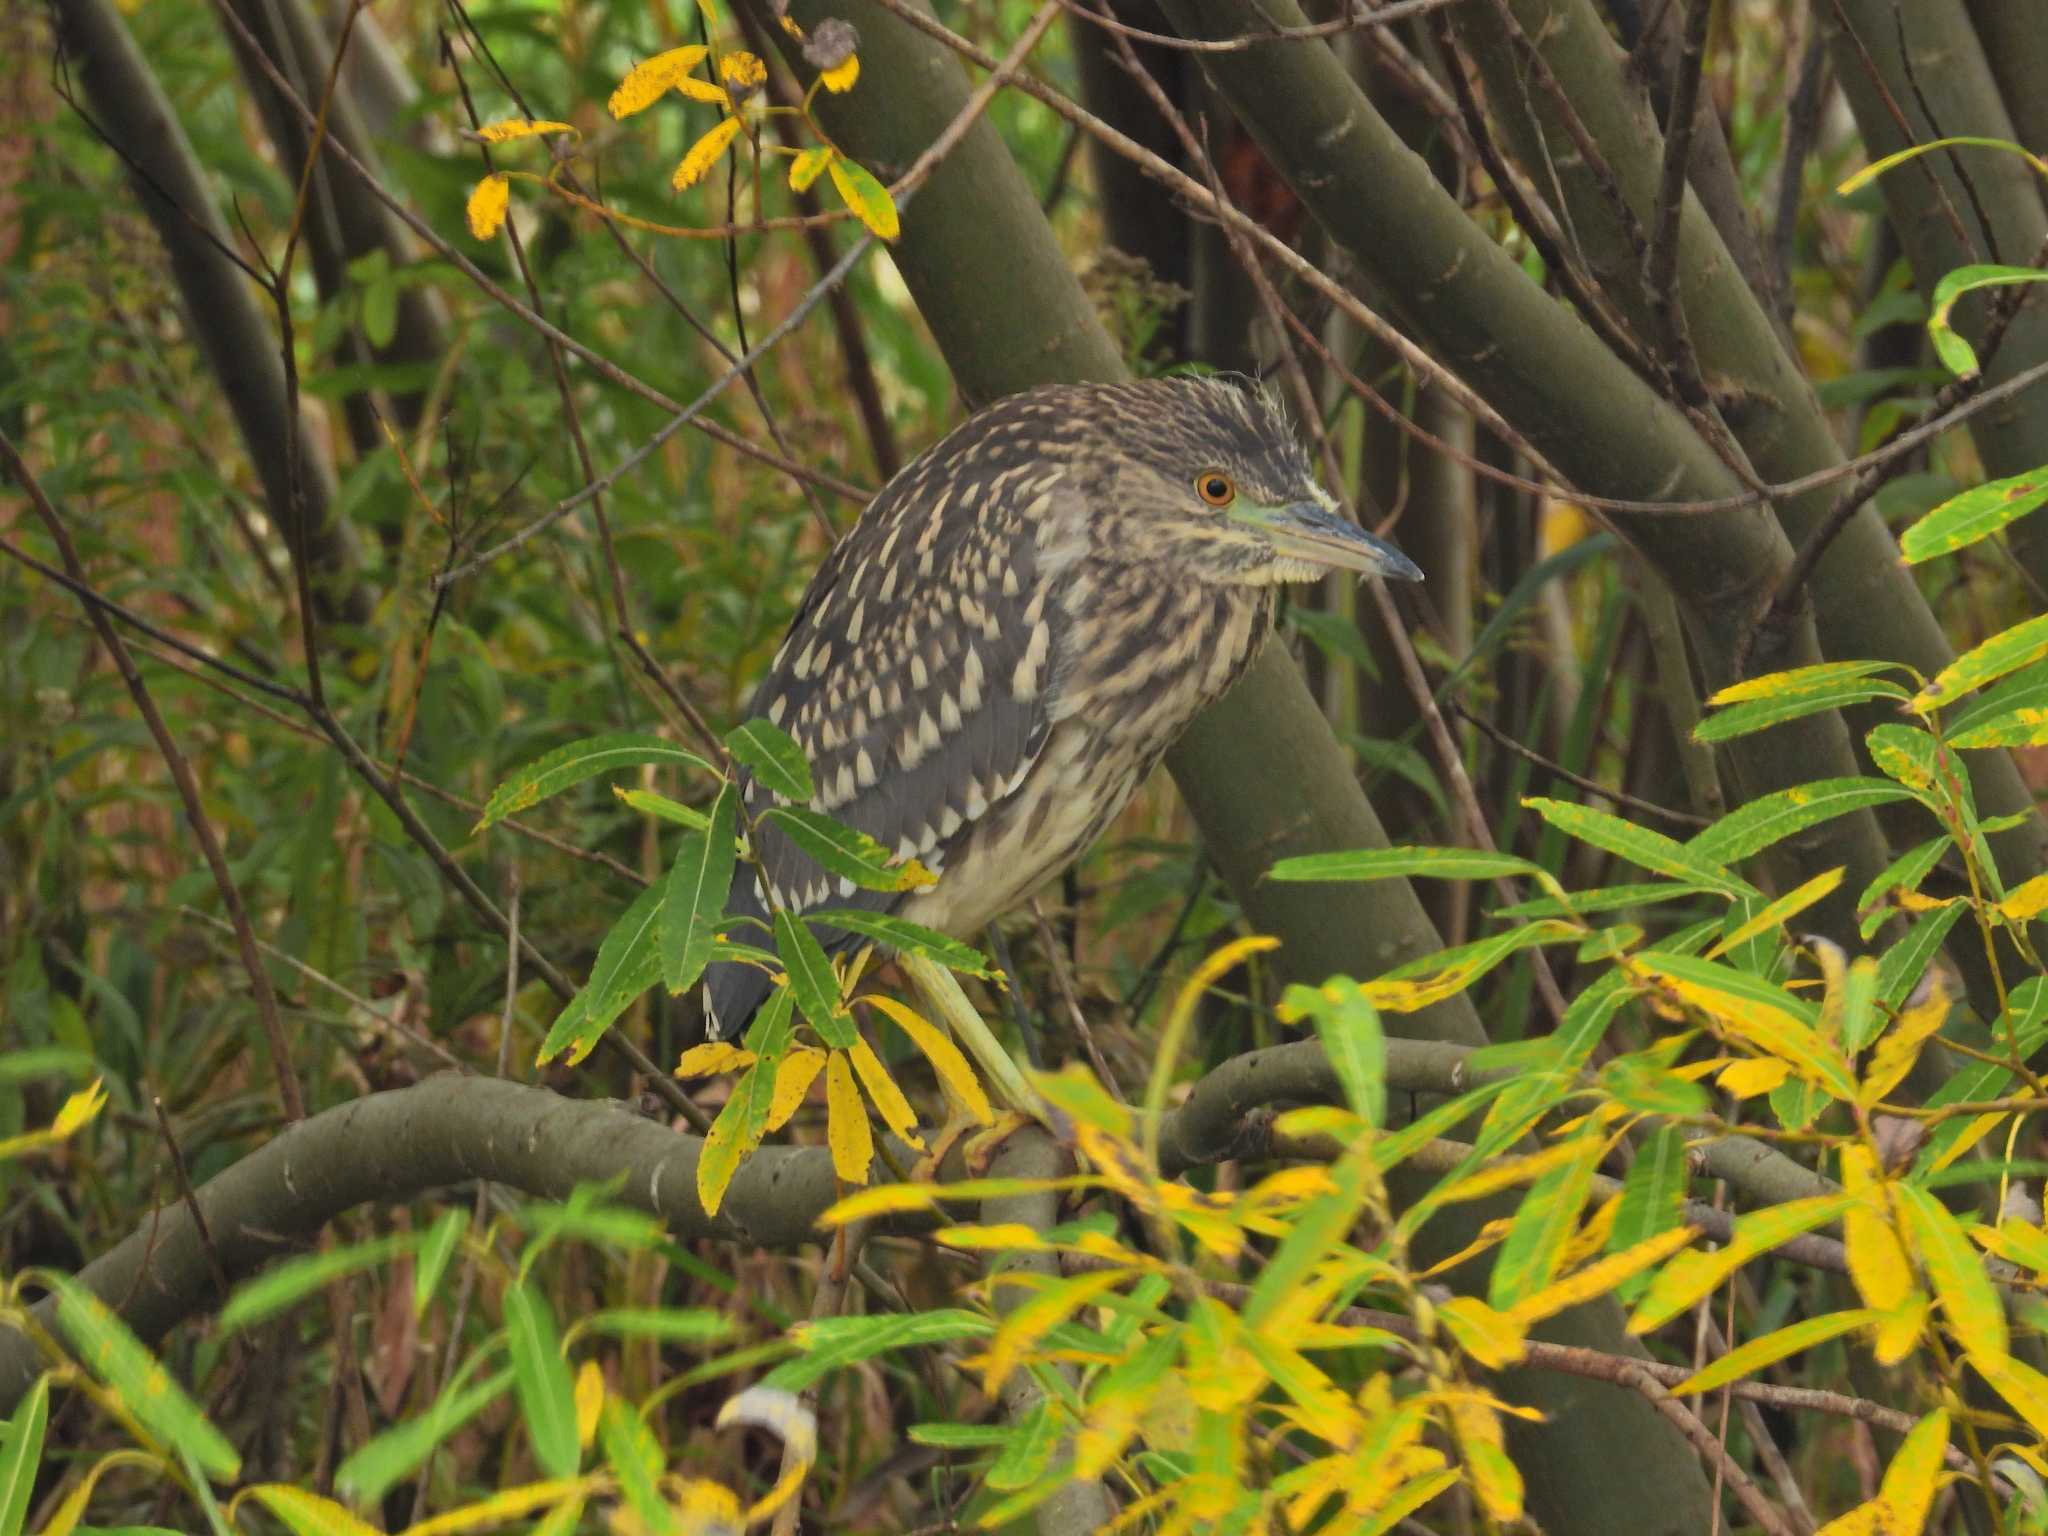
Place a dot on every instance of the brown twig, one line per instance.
(1660, 265)
(1802, 132)
(1689, 1424)
(1355, 20)
(1558, 770)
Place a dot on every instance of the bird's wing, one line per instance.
(919, 678)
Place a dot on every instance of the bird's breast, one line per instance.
(1148, 657)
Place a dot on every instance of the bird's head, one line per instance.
(1206, 476)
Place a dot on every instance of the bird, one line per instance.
(1015, 630)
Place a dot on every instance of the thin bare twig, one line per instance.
(1355, 20)
(289, 1093)
(682, 417)
(1660, 265)
(1558, 770)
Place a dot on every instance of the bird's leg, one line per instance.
(1018, 1100)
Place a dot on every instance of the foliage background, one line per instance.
(446, 427)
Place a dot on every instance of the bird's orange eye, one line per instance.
(1215, 488)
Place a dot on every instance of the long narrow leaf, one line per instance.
(580, 760)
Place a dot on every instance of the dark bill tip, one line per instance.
(1309, 531)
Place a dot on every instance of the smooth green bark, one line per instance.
(1469, 302)
(1866, 603)
(1945, 65)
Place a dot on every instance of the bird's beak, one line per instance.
(1308, 530)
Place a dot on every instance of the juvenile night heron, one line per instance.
(1020, 625)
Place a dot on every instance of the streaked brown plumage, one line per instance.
(1020, 624)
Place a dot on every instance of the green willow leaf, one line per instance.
(833, 1343)
(628, 963)
(1759, 714)
(1976, 514)
(1349, 1027)
(777, 761)
(297, 1278)
(1542, 1224)
(1639, 845)
(541, 1380)
(811, 981)
(21, 1453)
(698, 883)
(386, 1459)
(436, 1249)
(2007, 651)
(1652, 1199)
(842, 850)
(580, 760)
(1949, 345)
(104, 1343)
(1751, 828)
(1391, 863)
(906, 937)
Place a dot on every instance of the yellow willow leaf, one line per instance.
(704, 91)
(889, 1200)
(1691, 1275)
(1784, 909)
(1511, 1171)
(1494, 1339)
(1877, 1260)
(997, 1235)
(704, 154)
(503, 1507)
(1915, 1475)
(2026, 903)
(742, 69)
(1973, 1133)
(2023, 1387)
(1969, 1304)
(840, 77)
(867, 197)
(1899, 1047)
(1747, 1079)
(518, 128)
(1591, 1239)
(2017, 1242)
(1100, 1245)
(1600, 1277)
(1487, 1236)
(846, 1122)
(947, 1061)
(888, 1099)
(710, 1060)
(1898, 1331)
(1771, 1348)
(650, 78)
(1919, 901)
(302, 1510)
(589, 1401)
(487, 205)
(1863, 1520)
(79, 1110)
(793, 1079)
(808, 166)
(702, 1505)
(1494, 1478)
(1024, 1327)
(1748, 1010)
(1205, 1216)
